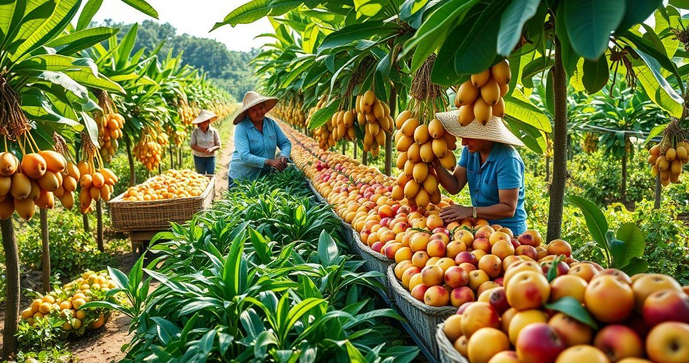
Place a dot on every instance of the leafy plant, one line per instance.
(45, 333)
(623, 249)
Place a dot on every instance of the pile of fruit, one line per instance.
(149, 149)
(64, 304)
(172, 184)
(669, 156)
(585, 314)
(481, 97)
(374, 116)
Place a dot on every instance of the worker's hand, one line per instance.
(283, 160)
(455, 213)
(274, 163)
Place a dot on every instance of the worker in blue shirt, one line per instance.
(255, 140)
(492, 167)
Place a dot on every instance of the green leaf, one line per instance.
(636, 266)
(657, 130)
(260, 245)
(61, 79)
(143, 7)
(87, 13)
(165, 329)
(589, 24)
(478, 49)
(595, 220)
(629, 243)
(354, 354)
(245, 14)
(657, 87)
(570, 58)
(512, 23)
(54, 25)
(327, 249)
(637, 11)
(650, 51)
(124, 51)
(80, 40)
(444, 72)
(11, 13)
(91, 127)
(595, 74)
(322, 116)
(521, 108)
(368, 8)
(534, 68)
(533, 138)
(682, 4)
(571, 307)
(356, 32)
(382, 77)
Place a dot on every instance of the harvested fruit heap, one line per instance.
(585, 314)
(96, 182)
(481, 97)
(149, 149)
(110, 124)
(374, 116)
(669, 156)
(422, 144)
(172, 184)
(590, 143)
(64, 304)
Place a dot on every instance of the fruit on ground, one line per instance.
(619, 341)
(609, 299)
(479, 315)
(527, 290)
(582, 353)
(485, 343)
(539, 343)
(668, 343)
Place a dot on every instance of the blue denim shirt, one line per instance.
(503, 170)
(252, 148)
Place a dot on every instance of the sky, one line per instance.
(196, 18)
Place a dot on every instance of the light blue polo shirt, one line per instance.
(252, 148)
(503, 170)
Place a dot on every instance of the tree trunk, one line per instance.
(9, 243)
(364, 157)
(160, 168)
(46, 250)
(388, 136)
(658, 195)
(355, 148)
(99, 225)
(179, 157)
(172, 160)
(624, 172)
(344, 148)
(557, 187)
(130, 158)
(85, 218)
(547, 168)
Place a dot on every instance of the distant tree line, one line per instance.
(229, 69)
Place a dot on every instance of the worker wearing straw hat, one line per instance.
(205, 141)
(255, 140)
(492, 167)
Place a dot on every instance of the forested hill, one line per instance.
(229, 69)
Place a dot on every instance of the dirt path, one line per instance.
(223, 164)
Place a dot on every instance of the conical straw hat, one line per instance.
(494, 130)
(204, 116)
(252, 99)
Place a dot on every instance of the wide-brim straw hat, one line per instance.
(252, 99)
(204, 116)
(494, 130)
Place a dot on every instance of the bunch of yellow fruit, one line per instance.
(481, 97)
(291, 112)
(149, 149)
(172, 184)
(96, 184)
(66, 303)
(374, 115)
(590, 142)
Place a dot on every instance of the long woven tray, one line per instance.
(156, 215)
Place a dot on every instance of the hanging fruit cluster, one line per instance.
(149, 149)
(110, 124)
(668, 157)
(374, 115)
(186, 113)
(481, 97)
(343, 125)
(177, 135)
(590, 142)
(322, 134)
(96, 183)
(291, 112)
(422, 144)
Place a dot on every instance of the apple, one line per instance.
(619, 341)
(668, 342)
(539, 343)
(467, 257)
(666, 305)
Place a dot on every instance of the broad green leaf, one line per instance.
(571, 307)
(356, 32)
(87, 13)
(521, 108)
(595, 74)
(657, 87)
(569, 57)
(536, 67)
(636, 266)
(682, 4)
(80, 40)
(595, 219)
(322, 116)
(444, 72)
(165, 329)
(124, 50)
(628, 243)
(512, 23)
(354, 354)
(327, 249)
(382, 77)
(478, 49)
(91, 127)
(36, 13)
(637, 11)
(368, 8)
(657, 130)
(11, 13)
(533, 138)
(64, 11)
(64, 81)
(589, 24)
(143, 7)
(309, 38)
(87, 78)
(245, 14)
(650, 51)
(260, 246)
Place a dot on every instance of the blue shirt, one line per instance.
(503, 170)
(252, 148)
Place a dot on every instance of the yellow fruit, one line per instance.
(55, 161)
(49, 181)
(482, 111)
(426, 151)
(681, 153)
(490, 92)
(420, 172)
(8, 163)
(409, 127)
(21, 186)
(411, 189)
(67, 200)
(449, 161)
(670, 154)
(499, 108)
(45, 308)
(421, 134)
(440, 147)
(369, 98)
(69, 184)
(414, 153)
(466, 114)
(466, 94)
(479, 79)
(25, 207)
(97, 179)
(422, 198)
(6, 207)
(501, 72)
(401, 118)
(46, 200)
(5, 185)
(73, 171)
(27, 313)
(84, 168)
(436, 129)
(430, 184)
(504, 88)
(34, 165)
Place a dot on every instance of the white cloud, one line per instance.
(195, 18)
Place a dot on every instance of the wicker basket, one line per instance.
(156, 215)
(448, 353)
(422, 318)
(373, 261)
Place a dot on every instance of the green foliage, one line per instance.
(54, 355)
(46, 333)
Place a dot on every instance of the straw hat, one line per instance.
(204, 116)
(495, 130)
(252, 99)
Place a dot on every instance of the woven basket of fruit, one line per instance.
(174, 196)
(373, 261)
(448, 353)
(423, 318)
